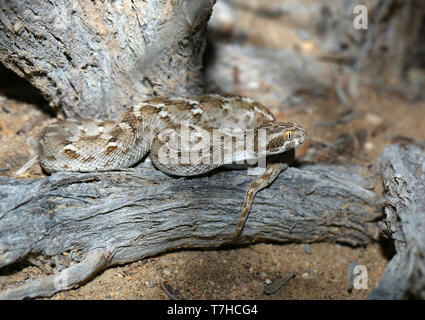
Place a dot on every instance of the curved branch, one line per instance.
(141, 212)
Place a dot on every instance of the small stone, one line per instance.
(278, 283)
(305, 275)
(368, 145)
(307, 248)
(263, 275)
(373, 119)
(268, 282)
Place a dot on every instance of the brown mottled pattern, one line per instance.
(72, 154)
(92, 145)
(110, 149)
(88, 159)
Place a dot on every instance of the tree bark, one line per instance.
(391, 39)
(403, 174)
(124, 216)
(388, 52)
(95, 58)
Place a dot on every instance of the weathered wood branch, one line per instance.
(403, 175)
(93, 58)
(140, 212)
(391, 39)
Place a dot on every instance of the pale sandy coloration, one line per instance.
(93, 145)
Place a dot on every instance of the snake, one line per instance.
(155, 127)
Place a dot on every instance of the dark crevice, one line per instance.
(387, 248)
(15, 87)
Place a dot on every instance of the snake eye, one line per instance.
(289, 134)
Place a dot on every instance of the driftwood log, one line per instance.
(116, 217)
(403, 175)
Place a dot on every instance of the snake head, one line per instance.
(281, 137)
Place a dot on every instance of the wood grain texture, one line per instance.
(392, 38)
(94, 58)
(141, 212)
(403, 175)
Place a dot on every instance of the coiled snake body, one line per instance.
(93, 145)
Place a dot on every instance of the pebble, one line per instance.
(263, 275)
(374, 119)
(305, 275)
(368, 145)
(268, 282)
(307, 248)
(278, 283)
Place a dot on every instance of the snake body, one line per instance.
(93, 145)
